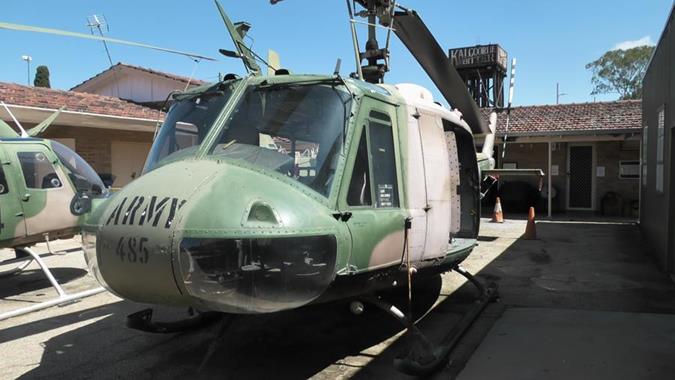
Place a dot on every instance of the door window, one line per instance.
(359, 186)
(383, 160)
(38, 171)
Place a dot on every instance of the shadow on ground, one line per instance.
(295, 345)
(572, 266)
(34, 279)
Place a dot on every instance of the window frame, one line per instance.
(659, 177)
(373, 186)
(623, 163)
(363, 128)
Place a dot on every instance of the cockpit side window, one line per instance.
(359, 186)
(4, 189)
(38, 171)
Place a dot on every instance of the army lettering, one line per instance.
(141, 211)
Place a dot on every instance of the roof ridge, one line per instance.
(53, 98)
(168, 75)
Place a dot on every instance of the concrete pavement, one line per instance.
(573, 268)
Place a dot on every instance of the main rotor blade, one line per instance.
(423, 46)
(36, 29)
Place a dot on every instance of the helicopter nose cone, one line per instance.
(227, 238)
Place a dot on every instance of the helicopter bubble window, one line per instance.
(81, 174)
(4, 189)
(186, 124)
(290, 128)
(38, 171)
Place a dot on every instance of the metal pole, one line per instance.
(28, 73)
(550, 186)
(557, 92)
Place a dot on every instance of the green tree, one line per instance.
(42, 77)
(621, 71)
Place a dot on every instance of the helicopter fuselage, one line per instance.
(266, 194)
(38, 180)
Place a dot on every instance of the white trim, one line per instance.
(593, 176)
(83, 113)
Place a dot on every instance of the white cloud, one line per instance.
(625, 45)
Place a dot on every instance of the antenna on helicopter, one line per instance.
(23, 131)
(338, 63)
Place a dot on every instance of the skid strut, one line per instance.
(62, 298)
(422, 357)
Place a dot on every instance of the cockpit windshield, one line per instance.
(293, 129)
(82, 175)
(186, 124)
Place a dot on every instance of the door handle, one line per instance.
(26, 197)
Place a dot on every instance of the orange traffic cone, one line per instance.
(531, 228)
(498, 215)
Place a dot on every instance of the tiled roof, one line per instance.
(570, 118)
(179, 78)
(15, 94)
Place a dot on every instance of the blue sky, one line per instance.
(552, 40)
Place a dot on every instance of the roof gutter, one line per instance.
(574, 132)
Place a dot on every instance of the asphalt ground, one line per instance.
(576, 273)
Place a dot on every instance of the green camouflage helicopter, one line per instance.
(267, 193)
(39, 179)
(45, 188)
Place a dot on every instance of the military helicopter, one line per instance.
(46, 188)
(267, 193)
(39, 179)
(391, 191)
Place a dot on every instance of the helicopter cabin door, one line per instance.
(12, 224)
(437, 183)
(371, 190)
(42, 187)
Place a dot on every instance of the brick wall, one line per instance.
(608, 155)
(93, 144)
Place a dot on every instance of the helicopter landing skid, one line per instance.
(25, 256)
(142, 320)
(422, 357)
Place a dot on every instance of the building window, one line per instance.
(660, 146)
(629, 169)
(645, 133)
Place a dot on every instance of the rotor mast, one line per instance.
(377, 59)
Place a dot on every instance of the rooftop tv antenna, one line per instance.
(97, 23)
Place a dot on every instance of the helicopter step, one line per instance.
(25, 256)
(421, 357)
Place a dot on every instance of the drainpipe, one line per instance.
(550, 186)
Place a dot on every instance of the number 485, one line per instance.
(133, 250)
